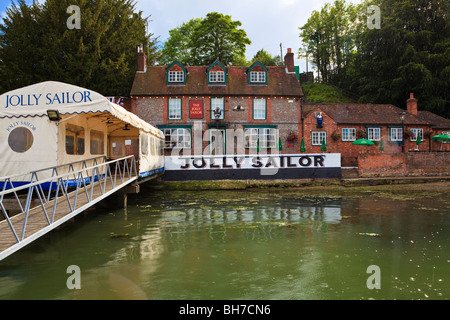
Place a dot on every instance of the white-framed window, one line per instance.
(396, 134)
(416, 132)
(267, 137)
(257, 77)
(348, 134)
(218, 108)
(174, 109)
(374, 134)
(177, 138)
(259, 109)
(216, 76)
(176, 76)
(317, 137)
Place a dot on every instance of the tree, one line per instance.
(177, 45)
(37, 45)
(267, 59)
(218, 37)
(410, 53)
(328, 39)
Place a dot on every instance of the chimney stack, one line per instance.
(141, 60)
(411, 104)
(289, 60)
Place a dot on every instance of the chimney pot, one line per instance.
(411, 104)
(289, 60)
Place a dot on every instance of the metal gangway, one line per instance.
(43, 204)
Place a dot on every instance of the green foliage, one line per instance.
(218, 37)
(36, 45)
(267, 59)
(177, 45)
(324, 93)
(201, 41)
(409, 53)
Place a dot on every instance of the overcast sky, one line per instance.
(266, 22)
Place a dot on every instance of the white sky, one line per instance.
(266, 22)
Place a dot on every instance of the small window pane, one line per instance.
(97, 142)
(74, 139)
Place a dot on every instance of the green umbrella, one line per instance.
(381, 145)
(441, 137)
(302, 146)
(363, 142)
(258, 147)
(324, 146)
(419, 140)
(280, 145)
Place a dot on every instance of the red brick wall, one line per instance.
(404, 164)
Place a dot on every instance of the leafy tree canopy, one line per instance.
(201, 41)
(37, 45)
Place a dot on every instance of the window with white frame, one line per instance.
(259, 109)
(416, 132)
(267, 137)
(176, 76)
(374, 134)
(174, 109)
(217, 108)
(177, 138)
(216, 76)
(317, 137)
(396, 134)
(348, 134)
(257, 77)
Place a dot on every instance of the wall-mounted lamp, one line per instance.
(53, 115)
(238, 108)
(126, 128)
(217, 113)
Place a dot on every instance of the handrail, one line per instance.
(121, 170)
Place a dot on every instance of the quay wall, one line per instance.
(408, 164)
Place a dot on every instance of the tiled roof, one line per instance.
(437, 122)
(385, 114)
(154, 82)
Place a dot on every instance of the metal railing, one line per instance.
(74, 187)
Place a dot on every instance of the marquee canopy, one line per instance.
(36, 99)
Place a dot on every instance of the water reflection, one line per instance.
(242, 245)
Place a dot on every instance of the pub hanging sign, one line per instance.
(196, 109)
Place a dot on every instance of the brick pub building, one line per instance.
(263, 101)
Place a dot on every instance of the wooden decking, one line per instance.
(37, 223)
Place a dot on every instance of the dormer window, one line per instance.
(216, 77)
(176, 74)
(257, 77)
(217, 74)
(257, 74)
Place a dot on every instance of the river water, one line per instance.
(265, 244)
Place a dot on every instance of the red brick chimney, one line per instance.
(289, 60)
(141, 60)
(411, 104)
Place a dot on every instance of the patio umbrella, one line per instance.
(419, 140)
(324, 146)
(381, 145)
(441, 137)
(363, 142)
(258, 147)
(302, 147)
(280, 145)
